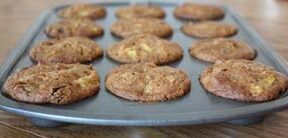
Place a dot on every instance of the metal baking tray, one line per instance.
(197, 107)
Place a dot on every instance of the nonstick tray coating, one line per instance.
(197, 107)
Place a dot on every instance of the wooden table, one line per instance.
(268, 17)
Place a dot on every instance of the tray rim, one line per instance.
(105, 119)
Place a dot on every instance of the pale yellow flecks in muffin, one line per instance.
(145, 48)
(261, 85)
(87, 81)
(243, 80)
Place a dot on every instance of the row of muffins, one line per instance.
(189, 11)
(60, 83)
(133, 25)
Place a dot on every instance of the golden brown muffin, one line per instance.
(83, 11)
(146, 82)
(198, 12)
(140, 11)
(54, 83)
(67, 50)
(209, 29)
(145, 48)
(73, 27)
(126, 28)
(212, 50)
(243, 80)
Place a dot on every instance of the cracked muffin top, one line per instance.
(53, 83)
(243, 80)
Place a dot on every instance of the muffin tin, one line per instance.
(197, 107)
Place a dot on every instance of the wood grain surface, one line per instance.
(268, 17)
